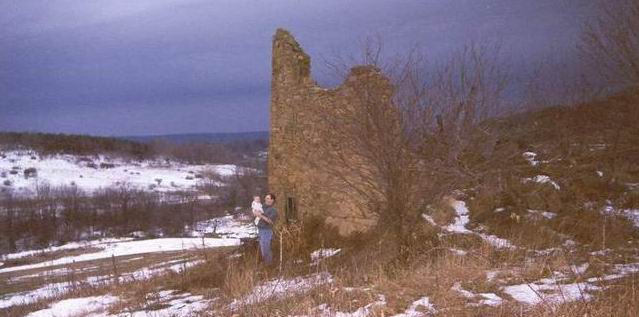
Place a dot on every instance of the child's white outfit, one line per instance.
(256, 206)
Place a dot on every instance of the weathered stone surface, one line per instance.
(297, 132)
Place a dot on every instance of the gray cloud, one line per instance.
(170, 66)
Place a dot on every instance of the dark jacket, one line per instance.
(271, 213)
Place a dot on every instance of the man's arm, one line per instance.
(265, 218)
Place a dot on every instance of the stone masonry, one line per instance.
(297, 133)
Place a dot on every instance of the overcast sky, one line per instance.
(124, 67)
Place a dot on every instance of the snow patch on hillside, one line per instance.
(542, 179)
(77, 307)
(463, 218)
(93, 173)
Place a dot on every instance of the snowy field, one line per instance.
(92, 173)
(146, 258)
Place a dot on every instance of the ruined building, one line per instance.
(301, 129)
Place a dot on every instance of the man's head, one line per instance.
(269, 199)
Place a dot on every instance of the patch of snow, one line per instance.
(533, 294)
(600, 173)
(429, 219)
(569, 243)
(458, 251)
(542, 179)
(632, 215)
(601, 252)
(490, 299)
(608, 209)
(545, 214)
(353, 289)
(179, 305)
(51, 273)
(491, 275)
(133, 247)
(579, 269)
(226, 227)
(77, 306)
(412, 309)
(500, 209)
(497, 242)
(546, 252)
(619, 271)
(549, 291)
(598, 146)
(28, 297)
(530, 157)
(458, 288)
(462, 219)
(360, 312)
(57, 289)
(101, 243)
(320, 254)
(282, 288)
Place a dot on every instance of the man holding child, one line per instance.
(267, 219)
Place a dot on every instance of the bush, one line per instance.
(30, 172)
(6, 182)
(107, 165)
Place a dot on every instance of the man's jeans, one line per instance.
(266, 235)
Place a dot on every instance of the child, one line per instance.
(256, 205)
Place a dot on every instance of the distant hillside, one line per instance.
(202, 137)
(49, 143)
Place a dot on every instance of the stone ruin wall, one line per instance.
(296, 132)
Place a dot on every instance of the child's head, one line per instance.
(256, 199)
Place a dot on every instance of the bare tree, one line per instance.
(398, 141)
(611, 42)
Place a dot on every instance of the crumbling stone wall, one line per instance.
(299, 131)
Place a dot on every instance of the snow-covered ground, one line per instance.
(61, 288)
(101, 243)
(130, 248)
(77, 307)
(108, 248)
(173, 303)
(92, 173)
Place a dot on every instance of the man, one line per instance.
(268, 218)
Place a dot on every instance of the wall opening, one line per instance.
(291, 209)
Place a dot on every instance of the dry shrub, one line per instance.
(239, 279)
(433, 279)
(442, 212)
(514, 222)
(630, 200)
(590, 227)
(210, 274)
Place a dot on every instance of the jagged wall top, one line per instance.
(289, 59)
